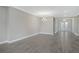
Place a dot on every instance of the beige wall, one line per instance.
(76, 25)
(3, 23)
(21, 24)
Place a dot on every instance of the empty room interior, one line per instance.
(39, 29)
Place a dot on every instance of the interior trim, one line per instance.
(23, 38)
(46, 33)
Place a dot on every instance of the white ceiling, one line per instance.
(57, 11)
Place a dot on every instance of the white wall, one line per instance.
(47, 26)
(21, 24)
(3, 23)
(76, 25)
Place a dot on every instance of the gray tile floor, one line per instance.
(61, 42)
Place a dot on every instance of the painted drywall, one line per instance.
(3, 23)
(75, 25)
(47, 25)
(21, 24)
(78, 24)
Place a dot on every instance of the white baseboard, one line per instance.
(3, 42)
(76, 34)
(22, 38)
(46, 33)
